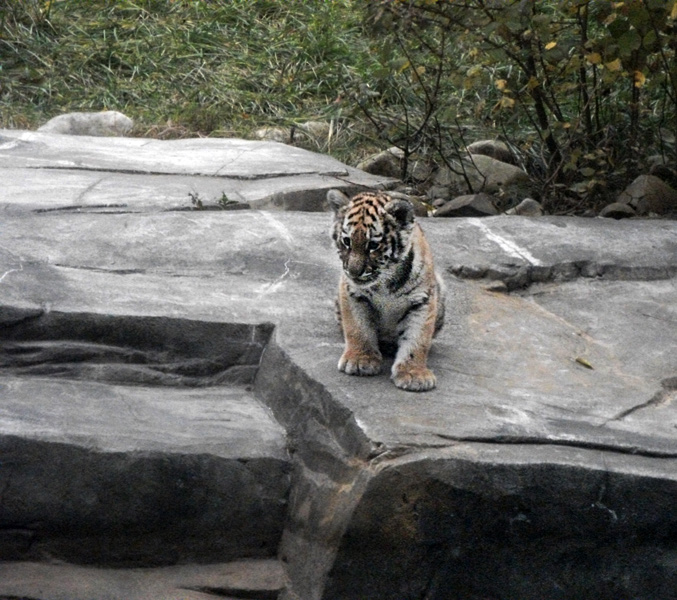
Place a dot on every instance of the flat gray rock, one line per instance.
(553, 423)
(255, 579)
(76, 173)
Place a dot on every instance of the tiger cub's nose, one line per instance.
(357, 264)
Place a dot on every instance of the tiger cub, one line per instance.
(389, 292)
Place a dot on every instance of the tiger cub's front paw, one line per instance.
(360, 363)
(413, 378)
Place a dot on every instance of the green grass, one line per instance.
(179, 67)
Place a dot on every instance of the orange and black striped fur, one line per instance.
(389, 293)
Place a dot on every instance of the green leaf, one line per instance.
(629, 41)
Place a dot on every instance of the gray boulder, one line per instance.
(665, 172)
(273, 134)
(472, 205)
(527, 208)
(649, 194)
(617, 210)
(487, 175)
(420, 170)
(493, 148)
(318, 131)
(107, 123)
(387, 163)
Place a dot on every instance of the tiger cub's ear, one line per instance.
(402, 210)
(336, 199)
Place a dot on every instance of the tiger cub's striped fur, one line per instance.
(389, 293)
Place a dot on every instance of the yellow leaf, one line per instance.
(502, 84)
(420, 70)
(610, 19)
(504, 102)
(673, 12)
(507, 102)
(614, 65)
(640, 79)
(594, 58)
(532, 83)
(474, 71)
(550, 45)
(583, 362)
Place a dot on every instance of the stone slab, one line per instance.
(243, 579)
(136, 441)
(555, 374)
(226, 422)
(78, 173)
(478, 522)
(511, 366)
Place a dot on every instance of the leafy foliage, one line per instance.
(584, 90)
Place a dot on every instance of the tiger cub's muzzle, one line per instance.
(357, 267)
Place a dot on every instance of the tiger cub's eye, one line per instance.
(345, 240)
(373, 245)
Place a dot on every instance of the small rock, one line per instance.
(487, 175)
(527, 208)
(444, 177)
(494, 149)
(387, 163)
(420, 170)
(439, 202)
(472, 205)
(107, 123)
(655, 160)
(495, 174)
(274, 134)
(405, 189)
(439, 191)
(617, 210)
(421, 209)
(649, 194)
(666, 174)
(317, 129)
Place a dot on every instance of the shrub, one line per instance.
(584, 90)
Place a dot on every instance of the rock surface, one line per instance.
(106, 123)
(544, 465)
(485, 174)
(527, 208)
(127, 175)
(617, 210)
(244, 579)
(649, 194)
(493, 148)
(387, 163)
(471, 205)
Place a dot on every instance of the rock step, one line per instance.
(174, 468)
(138, 476)
(185, 465)
(252, 579)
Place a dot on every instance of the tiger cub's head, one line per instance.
(371, 232)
